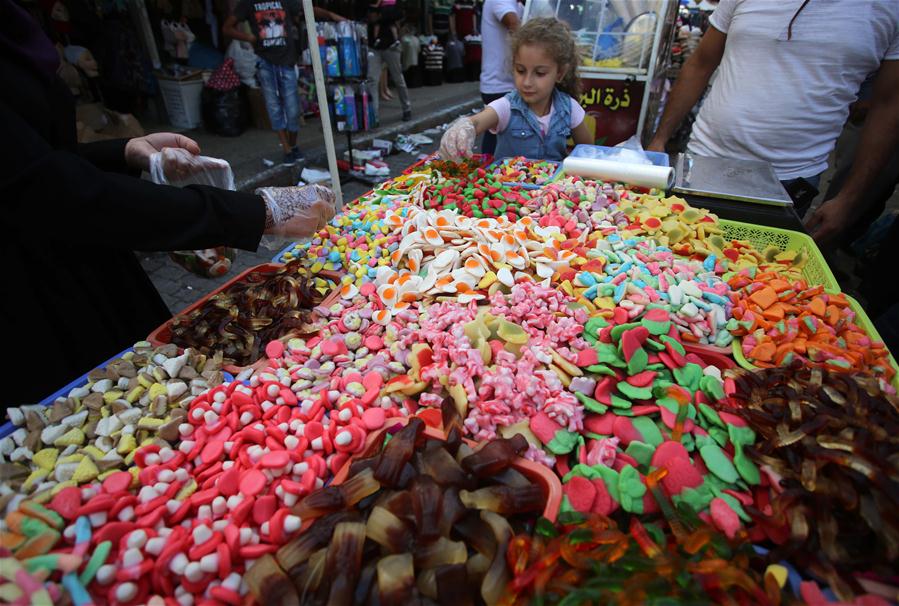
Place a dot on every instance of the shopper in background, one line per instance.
(787, 73)
(388, 53)
(439, 18)
(500, 19)
(275, 40)
(73, 214)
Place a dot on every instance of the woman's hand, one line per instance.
(139, 149)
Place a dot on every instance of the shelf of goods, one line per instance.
(464, 390)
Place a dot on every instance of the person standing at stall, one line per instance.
(537, 118)
(500, 18)
(787, 73)
(73, 214)
(275, 40)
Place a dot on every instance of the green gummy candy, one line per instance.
(565, 505)
(584, 471)
(601, 369)
(744, 436)
(711, 415)
(641, 451)
(656, 328)
(719, 435)
(634, 393)
(638, 362)
(617, 330)
(688, 442)
(590, 404)
(649, 430)
(718, 463)
(688, 376)
(619, 402)
(98, 558)
(594, 325)
(631, 489)
(697, 498)
(674, 343)
(610, 479)
(563, 442)
(608, 354)
(654, 345)
(32, 527)
(745, 467)
(712, 387)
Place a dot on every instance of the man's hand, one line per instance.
(830, 219)
(139, 149)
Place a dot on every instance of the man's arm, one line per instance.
(879, 139)
(693, 79)
(231, 30)
(511, 21)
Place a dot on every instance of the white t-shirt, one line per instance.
(503, 109)
(496, 66)
(785, 101)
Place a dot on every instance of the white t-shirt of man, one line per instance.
(503, 109)
(785, 101)
(496, 64)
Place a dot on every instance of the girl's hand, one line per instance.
(458, 140)
(139, 149)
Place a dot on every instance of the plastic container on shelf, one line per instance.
(496, 164)
(815, 272)
(537, 473)
(584, 150)
(163, 334)
(861, 320)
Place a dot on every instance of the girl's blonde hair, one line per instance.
(556, 37)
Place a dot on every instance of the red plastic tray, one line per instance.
(163, 334)
(535, 472)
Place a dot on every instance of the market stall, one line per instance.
(480, 383)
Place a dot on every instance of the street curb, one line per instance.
(283, 173)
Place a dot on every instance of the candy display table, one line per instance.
(463, 390)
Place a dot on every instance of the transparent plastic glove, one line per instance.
(458, 140)
(295, 212)
(178, 166)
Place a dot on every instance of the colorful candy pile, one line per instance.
(783, 322)
(581, 326)
(523, 171)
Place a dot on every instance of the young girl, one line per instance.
(537, 118)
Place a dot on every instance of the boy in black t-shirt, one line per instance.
(274, 38)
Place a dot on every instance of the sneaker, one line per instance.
(293, 156)
(407, 115)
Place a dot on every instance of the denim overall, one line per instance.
(523, 136)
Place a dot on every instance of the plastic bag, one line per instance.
(178, 167)
(244, 62)
(223, 112)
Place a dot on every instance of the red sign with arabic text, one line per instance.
(613, 108)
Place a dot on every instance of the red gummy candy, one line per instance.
(581, 493)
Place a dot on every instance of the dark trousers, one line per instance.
(488, 143)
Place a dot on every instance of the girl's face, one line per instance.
(536, 73)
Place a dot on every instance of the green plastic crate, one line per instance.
(816, 272)
(861, 319)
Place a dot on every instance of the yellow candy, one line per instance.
(73, 437)
(35, 476)
(93, 452)
(779, 572)
(317, 267)
(488, 279)
(127, 444)
(85, 472)
(156, 390)
(135, 394)
(112, 395)
(45, 458)
(150, 423)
